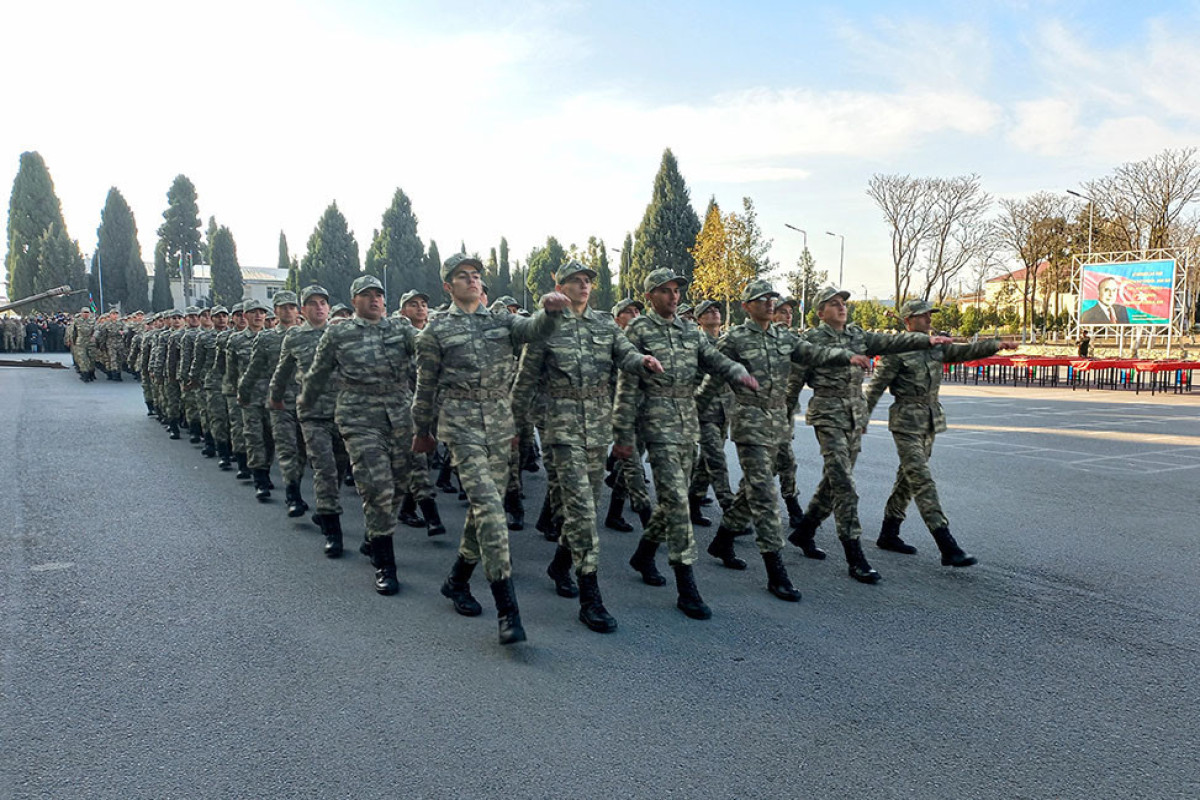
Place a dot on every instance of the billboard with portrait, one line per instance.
(1130, 293)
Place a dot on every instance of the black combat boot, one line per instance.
(795, 512)
(226, 453)
(383, 559)
(690, 602)
(443, 478)
(196, 431)
(515, 510)
(721, 548)
(529, 456)
(706, 500)
(173, 429)
(545, 521)
(889, 538)
(365, 547)
(644, 515)
(643, 561)
(117, 377)
(560, 572)
(804, 535)
(457, 588)
(243, 473)
(860, 570)
(210, 446)
(507, 612)
(331, 526)
(408, 513)
(778, 583)
(952, 554)
(694, 512)
(295, 503)
(433, 519)
(616, 504)
(349, 477)
(591, 605)
(150, 412)
(262, 485)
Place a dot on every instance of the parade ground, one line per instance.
(163, 635)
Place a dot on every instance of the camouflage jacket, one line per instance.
(717, 410)
(158, 354)
(258, 370)
(216, 370)
(187, 353)
(296, 355)
(371, 359)
(109, 336)
(914, 379)
(573, 368)
(79, 332)
(204, 353)
(661, 408)
(760, 417)
(837, 399)
(174, 352)
(237, 356)
(465, 372)
(530, 401)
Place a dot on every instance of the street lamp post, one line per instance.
(799, 231)
(1091, 215)
(841, 255)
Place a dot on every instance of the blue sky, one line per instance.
(527, 119)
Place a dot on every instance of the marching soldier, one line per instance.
(710, 468)
(256, 433)
(205, 378)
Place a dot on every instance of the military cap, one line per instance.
(174, 312)
(457, 260)
(218, 310)
(626, 303)
(509, 300)
(682, 308)
(238, 307)
(364, 282)
(830, 292)
(662, 276)
(284, 298)
(192, 311)
(271, 314)
(85, 310)
(413, 294)
(705, 305)
(254, 305)
(788, 301)
(570, 268)
(339, 309)
(914, 307)
(758, 289)
(311, 291)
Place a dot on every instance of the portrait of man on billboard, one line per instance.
(1106, 311)
(1127, 293)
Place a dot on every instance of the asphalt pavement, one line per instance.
(163, 635)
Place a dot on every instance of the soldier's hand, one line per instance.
(934, 341)
(750, 382)
(862, 362)
(652, 364)
(555, 301)
(276, 405)
(622, 451)
(424, 444)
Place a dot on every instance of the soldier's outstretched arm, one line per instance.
(714, 362)
(630, 359)
(885, 373)
(429, 371)
(814, 355)
(881, 344)
(957, 353)
(529, 374)
(324, 360)
(536, 328)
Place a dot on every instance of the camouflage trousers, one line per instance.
(110, 358)
(85, 357)
(837, 493)
(320, 436)
(147, 389)
(174, 399)
(416, 482)
(256, 432)
(711, 469)
(785, 468)
(289, 444)
(218, 414)
(233, 412)
(756, 502)
(193, 408)
(380, 457)
(671, 468)
(631, 475)
(483, 471)
(553, 494)
(914, 481)
(581, 469)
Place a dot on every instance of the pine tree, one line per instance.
(118, 258)
(292, 283)
(596, 257)
(59, 264)
(432, 281)
(543, 263)
(33, 209)
(180, 234)
(806, 280)
(491, 274)
(669, 227)
(396, 255)
(206, 247)
(161, 299)
(503, 270)
(626, 288)
(227, 286)
(332, 257)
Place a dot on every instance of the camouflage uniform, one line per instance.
(252, 391)
(110, 345)
(193, 406)
(80, 339)
(256, 434)
(711, 468)
(228, 392)
(208, 365)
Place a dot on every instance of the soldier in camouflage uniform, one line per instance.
(371, 354)
(110, 344)
(838, 416)
(190, 396)
(759, 422)
(914, 419)
(627, 478)
(140, 352)
(205, 378)
(80, 340)
(233, 412)
(574, 367)
(168, 372)
(710, 468)
(660, 411)
(256, 432)
(785, 460)
(464, 376)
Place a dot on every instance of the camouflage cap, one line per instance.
(364, 282)
(758, 289)
(570, 268)
(284, 298)
(683, 308)
(830, 292)
(238, 307)
(457, 260)
(85, 310)
(218, 310)
(254, 305)
(173, 313)
(413, 294)
(311, 291)
(704, 305)
(914, 307)
(662, 276)
(192, 311)
(788, 301)
(626, 303)
(509, 300)
(340, 308)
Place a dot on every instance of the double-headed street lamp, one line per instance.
(841, 255)
(1091, 215)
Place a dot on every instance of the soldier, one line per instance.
(914, 419)
(194, 323)
(759, 422)
(660, 411)
(371, 354)
(140, 353)
(710, 468)
(109, 341)
(464, 375)
(237, 439)
(80, 341)
(256, 433)
(252, 389)
(205, 378)
(574, 366)
(167, 369)
(627, 479)
(838, 416)
(785, 460)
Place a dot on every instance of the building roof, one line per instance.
(249, 274)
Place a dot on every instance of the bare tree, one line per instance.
(958, 231)
(1144, 202)
(1035, 230)
(906, 205)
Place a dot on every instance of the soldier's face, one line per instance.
(761, 310)
(316, 310)
(784, 314)
(920, 323)
(239, 321)
(833, 312)
(220, 322)
(465, 286)
(711, 318)
(578, 289)
(255, 319)
(176, 323)
(287, 313)
(417, 311)
(665, 299)
(627, 315)
(193, 320)
(368, 304)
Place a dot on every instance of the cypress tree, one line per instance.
(432, 281)
(33, 209)
(542, 263)
(180, 235)
(292, 283)
(602, 292)
(226, 273)
(669, 227)
(332, 257)
(59, 264)
(119, 255)
(504, 271)
(161, 299)
(626, 287)
(396, 255)
(206, 248)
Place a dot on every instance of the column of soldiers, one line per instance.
(381, 392)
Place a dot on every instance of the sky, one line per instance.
(529, 119)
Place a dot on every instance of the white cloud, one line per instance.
(1047, 127)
